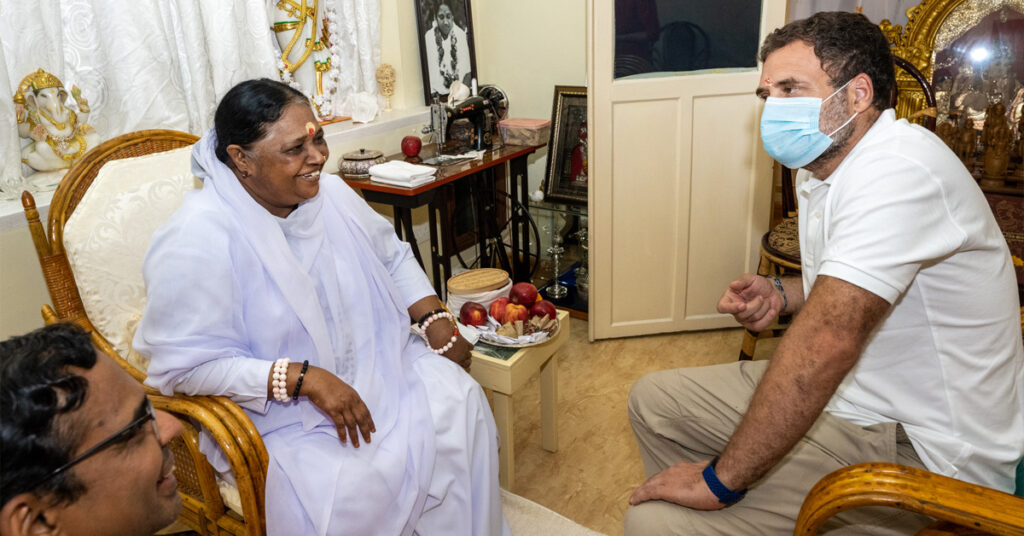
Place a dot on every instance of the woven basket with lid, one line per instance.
(476, 281)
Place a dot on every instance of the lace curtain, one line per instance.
(358, 35)
(162, 64)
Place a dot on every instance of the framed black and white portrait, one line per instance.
(447, 54)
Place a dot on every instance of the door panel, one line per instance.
(680, 188)
(648, 199)
(723, 232)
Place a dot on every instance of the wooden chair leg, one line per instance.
(749, 345)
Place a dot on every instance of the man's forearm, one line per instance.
(812, 359)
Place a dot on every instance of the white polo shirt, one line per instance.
(903, 219)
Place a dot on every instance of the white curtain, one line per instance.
(156, 63)
(358, 37)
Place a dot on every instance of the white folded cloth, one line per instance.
(403, 184)
(401, 171)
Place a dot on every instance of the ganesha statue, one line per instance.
(58, 134)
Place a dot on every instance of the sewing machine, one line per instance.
(475, 134)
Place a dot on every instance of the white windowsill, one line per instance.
(347, 131)
(12, 215)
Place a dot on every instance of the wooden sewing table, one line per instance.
(505, 374)
(485, 171)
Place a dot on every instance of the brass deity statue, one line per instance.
(997, 139)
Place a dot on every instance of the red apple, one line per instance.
(542, 308)
(498, 309)
(411, 146)
(473, 314)
(523, 294)
(515, 312)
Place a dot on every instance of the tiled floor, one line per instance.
(597, 465)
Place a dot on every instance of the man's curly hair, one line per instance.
(847, 44)
(37, 390)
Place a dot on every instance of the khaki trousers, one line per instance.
(689, 414)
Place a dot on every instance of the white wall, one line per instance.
(527, 47)
(22, 291)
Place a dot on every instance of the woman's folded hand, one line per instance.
(461, 353)
(440, 333)
(341, 403)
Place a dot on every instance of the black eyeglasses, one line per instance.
(120, 436)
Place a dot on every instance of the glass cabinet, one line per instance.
(562, 274)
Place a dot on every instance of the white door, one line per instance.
(679, 189)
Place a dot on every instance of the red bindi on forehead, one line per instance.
(310, 128)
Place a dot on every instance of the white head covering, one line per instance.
(306, 255)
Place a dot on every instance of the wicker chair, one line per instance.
(205, 511)
(961, 508)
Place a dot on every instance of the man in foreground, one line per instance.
(907, 347)
(83, 450)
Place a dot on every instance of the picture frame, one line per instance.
(566, 177)
(444, 59)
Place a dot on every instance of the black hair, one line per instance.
(245, 111)
(36, 389)
(847, 44)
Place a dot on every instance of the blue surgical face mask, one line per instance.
(789, 129)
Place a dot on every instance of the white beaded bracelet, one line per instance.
(435, 316)
(446, 347)
(429, 320)
(280, 381)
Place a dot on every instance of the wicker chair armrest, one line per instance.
(916, 490)
(247, 431)
(248, 439)
(198, 409)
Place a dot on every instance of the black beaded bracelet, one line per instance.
(302, 374)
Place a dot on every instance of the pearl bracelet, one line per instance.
(425, 323)
(436, 315)
(280, 381)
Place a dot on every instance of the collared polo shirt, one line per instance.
(903, 219)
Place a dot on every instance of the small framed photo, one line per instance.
(566, 176)
(447, 53)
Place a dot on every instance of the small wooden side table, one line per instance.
(505, 375)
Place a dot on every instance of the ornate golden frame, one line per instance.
(916, 43)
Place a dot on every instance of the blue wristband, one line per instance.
(725, 495)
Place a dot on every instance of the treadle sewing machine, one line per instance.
(470, 124)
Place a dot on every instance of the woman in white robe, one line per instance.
(273, 259)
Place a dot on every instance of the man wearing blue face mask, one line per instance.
(907, 347)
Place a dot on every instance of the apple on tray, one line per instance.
(523, 294)
(473, 314)
(497, 309)
(543, 308)
(514, 312)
